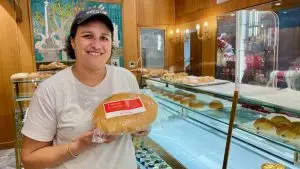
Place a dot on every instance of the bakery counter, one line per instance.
(277, 99)
(196, 141)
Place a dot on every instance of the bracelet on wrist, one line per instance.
(71, 153)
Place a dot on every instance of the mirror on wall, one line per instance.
(152, 47)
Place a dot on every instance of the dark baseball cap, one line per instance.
(94, 13)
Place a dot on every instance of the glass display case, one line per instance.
(23, 88)
(251, 47)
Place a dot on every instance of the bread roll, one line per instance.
(125, 123)
(180, 92)
(196, 104)
(287, 132)
(281, 121)
(191, 95)
(171, 96)
(19, 76)
(165, 94)
(216, 105)
(272, 166)
(177, 98)
(185, 100)
(263, 124)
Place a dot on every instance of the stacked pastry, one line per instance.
(173, 77)
(30, 76)
(283, 126)
(53, 66)
(154, 73)
(194, 80)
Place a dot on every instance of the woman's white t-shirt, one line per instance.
(61, 110)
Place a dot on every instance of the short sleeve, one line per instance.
(134, 83)
(41, 121)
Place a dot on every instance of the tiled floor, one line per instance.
(7, 159)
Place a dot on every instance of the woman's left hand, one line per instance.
(141, 133)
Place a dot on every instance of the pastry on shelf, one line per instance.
(296, 126)
(263, 124)
(165, 94)
(272, 166)
(177, 98)
(191, 95)
(216, 105)
(44, 75)
(205, 79)
(280, 121)
(186, 100)
(19, 76)
(180, 92)
(155, 73)
(196, 104)
(171, 96)
(287, 132)
(34, 75)
(53, 66)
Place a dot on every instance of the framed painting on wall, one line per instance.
(51, 22)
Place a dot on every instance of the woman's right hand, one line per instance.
(85, 140)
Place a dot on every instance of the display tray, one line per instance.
(216, 82)
(271, 134)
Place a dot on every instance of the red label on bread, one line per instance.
(123, 107)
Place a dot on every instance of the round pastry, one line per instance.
(118, 123)
(196, 104)
(191, 95)
(216, 105)
(296, 126)
(180, 92)
(263, 124)
(19, 76)
(165, 94)
(280, 121)
(185, 100)
(177, 98)
(272, 166)
(171, 96)
(287, 132)
(45, 75)
(34, 75)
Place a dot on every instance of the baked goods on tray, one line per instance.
(281, 124)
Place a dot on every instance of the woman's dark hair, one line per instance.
(69, 49)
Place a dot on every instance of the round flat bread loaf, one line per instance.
(263, 124)
(125, 123)
(216, 105)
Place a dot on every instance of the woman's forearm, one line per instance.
(49, 156)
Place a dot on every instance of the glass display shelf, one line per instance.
(243, 97)
(24, 97)
(219, 121)
(27, 81)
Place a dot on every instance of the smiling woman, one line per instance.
(58, 131)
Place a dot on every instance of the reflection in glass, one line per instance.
(152, 47)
